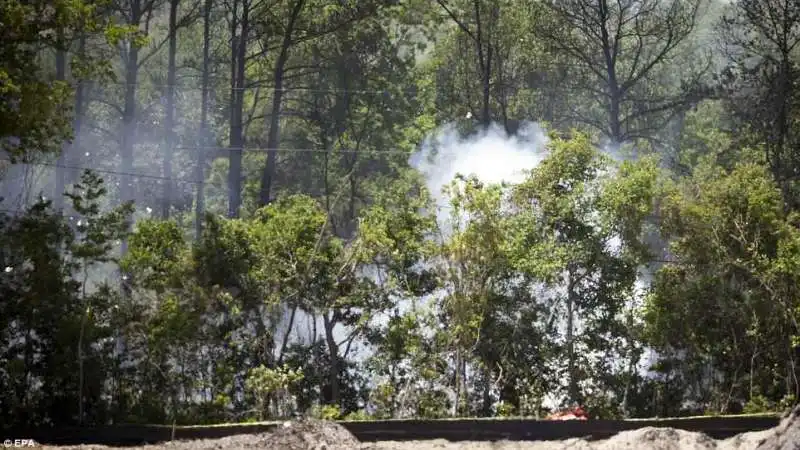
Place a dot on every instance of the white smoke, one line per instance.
(495, 157)
(491, 155)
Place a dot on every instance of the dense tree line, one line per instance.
(209, 212)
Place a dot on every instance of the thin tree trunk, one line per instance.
(614, 94)
(169, 119)
(573, 381)
(77, 121)
(58, 191)
(465, 388)
(273, 138)
(458, 382)
(317, 350)
(239, 52)
(81, 335)
(333, 354)
(628, 381)
(129, 114)
(485, 65)
(487, 392)
(204, 131)
(234, 130)
(286, 336)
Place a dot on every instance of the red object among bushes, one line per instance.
(576, 413)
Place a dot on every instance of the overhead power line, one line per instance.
(179, 87)
(196, 182)
(194, 87)
(117, 172)
(293, 150)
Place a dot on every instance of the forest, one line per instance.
(240, 210)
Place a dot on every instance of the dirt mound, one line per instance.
(651, 438)
(745, 441)
(785, 436)
(310, 435)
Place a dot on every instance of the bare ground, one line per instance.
(317, 435)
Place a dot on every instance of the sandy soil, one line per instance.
(316, 435)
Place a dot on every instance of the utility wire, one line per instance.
(242, 149)
(179, 88)
(119, 173)
(195, 182)
(294, 150)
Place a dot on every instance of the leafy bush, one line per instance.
(758, 404)
(504, 409)
(358, 415)
(325, 412)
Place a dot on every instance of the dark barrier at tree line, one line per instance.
(404, 430)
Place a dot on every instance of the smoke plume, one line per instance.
(491, 155)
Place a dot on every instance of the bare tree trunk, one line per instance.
(458, 383)
(81, 368)
(781, 168)
(273, 138)
(628, 381)
(610, 57)
(573, 381)
(333, 354)
(465, 388)
(199, 206)
(485, 62)
(58, 190)
(129, 114)
(238, 54)
(77, 124)
(286, 336)
(487, 392)
(481, 37)
(169, 119)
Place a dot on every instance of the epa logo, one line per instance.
(13, 443)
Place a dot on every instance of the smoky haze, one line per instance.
(491, 155)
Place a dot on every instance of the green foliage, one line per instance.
(504, 409)
(46, 290)
(156, 251)
(100, 233)
(758, 404)
(263, 383)
(567, 216)
(358, 415)
(35, 108)
(264, 380)
(343, 295)
(326, 412)
(727, 296)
